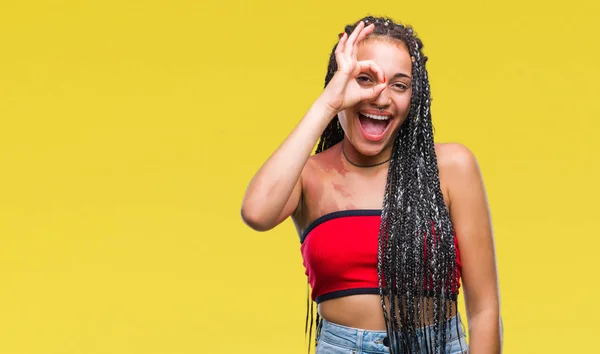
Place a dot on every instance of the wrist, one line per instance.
(323, 106)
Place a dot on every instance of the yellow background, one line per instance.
(130, 129)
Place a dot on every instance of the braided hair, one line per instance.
(417, 265)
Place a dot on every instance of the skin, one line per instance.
(375, 72)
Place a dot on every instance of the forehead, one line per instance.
(391, 55)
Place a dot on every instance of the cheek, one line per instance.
(403, 107)
(343, 117)
(403, 103)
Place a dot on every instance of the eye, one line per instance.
(362, 79)
(400, 86)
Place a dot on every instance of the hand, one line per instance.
(343, 91)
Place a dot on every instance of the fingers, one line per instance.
(354, 35)
(370, 65)
(365, 32)
(361, 36)
(347, 48)
(341, 44)
(372, 93)
(359, 33)
(341, 61)
(344, 62)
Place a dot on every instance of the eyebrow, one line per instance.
(399, 75)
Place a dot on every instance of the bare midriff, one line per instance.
(366, 312)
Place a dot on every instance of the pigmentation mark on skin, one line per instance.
(341, 188)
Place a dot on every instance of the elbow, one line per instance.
(489, 313)
(254, 219)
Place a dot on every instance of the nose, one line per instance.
(383, 99)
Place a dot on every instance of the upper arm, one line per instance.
(293, 206)
(470, 216)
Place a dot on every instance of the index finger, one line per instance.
(370, 65)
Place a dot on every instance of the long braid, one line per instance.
(416, 249)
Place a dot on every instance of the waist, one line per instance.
(365, 311)
(377, 341)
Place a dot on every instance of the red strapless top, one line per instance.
(340, 256)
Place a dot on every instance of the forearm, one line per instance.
(485, 333)
(273, 184)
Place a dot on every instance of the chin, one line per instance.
(368, 148)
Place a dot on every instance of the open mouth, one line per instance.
(373, 126)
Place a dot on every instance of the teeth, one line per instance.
(372, 116)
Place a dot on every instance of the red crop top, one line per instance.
(340, 256)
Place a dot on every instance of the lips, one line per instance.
(374, 125)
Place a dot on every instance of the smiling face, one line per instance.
(371, 126)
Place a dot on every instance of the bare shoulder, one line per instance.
(455, 158)
(459, 172)
(319, 169)
(321, 162)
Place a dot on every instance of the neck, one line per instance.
(356, 159)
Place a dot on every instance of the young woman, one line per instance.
(390, 222)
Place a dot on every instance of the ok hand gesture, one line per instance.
(343, 91)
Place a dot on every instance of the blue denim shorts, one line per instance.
(336, 339)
